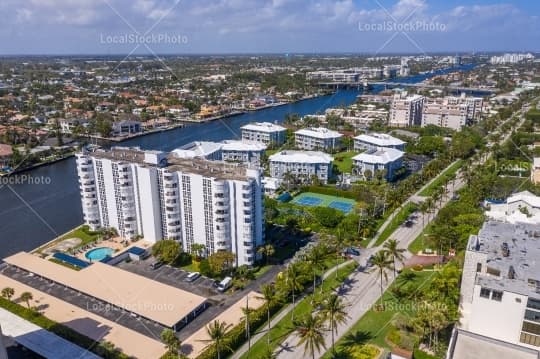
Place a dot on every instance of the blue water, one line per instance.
(32, 214)
(97, 254)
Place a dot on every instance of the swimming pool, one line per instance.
(97, 254)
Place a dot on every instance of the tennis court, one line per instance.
(311, 199)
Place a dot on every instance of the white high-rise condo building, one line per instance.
(317, 138)
(500, 293)
(157, 196)
(265, 132)
(452, 111)
(406, 110)
(301, 164)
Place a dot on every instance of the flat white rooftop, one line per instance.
(234, 145)
(197, 149)
(318, 132)
(382, 156)
(137, 294)
(380, 139)
(39, 340)
(263, 127)
(311, 157)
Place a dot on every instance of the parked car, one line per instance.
(225, 284)
(156, 265)
(352, 251)
(192, 276)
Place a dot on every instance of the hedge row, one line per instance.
(329, 191)
(105, 350)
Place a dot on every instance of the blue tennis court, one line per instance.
(342, 206)
(308, 201)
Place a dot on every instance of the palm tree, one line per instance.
(267, 251)
(270, 297)
(26, 297)
(217, 331)
(381, 261)
(170, 340)
(395, 253)
(334, 312)
(8, 292)
(294, 282)
(316, 257)
(310, 330)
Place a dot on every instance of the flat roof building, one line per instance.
(388, 160)
(265, 132)
(500, 287)
(152, 300)
(317, 138)
(377, 141)
(301, 164)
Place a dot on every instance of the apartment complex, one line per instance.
(301, 164)
(406, 110)
(317, 138)
(389, 160)
(353, 74)
(264, 132)
(500, 289)
(156, 195)
(372, 141)
(249, 152)
(452, 112)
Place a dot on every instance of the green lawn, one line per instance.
(439, 182)
(402, 215)
(375, 325)
(343, 161)
(79, 232)
(421, 242)
(285, 326)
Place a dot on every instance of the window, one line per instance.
(484, 293)
(478, 267)
(532, 316)
(533, 303)
(496, 295)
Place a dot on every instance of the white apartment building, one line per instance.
(242, 151)
(406, 110)
(228, 150)
(372, 141)
(510, 58)
(264, 132)
(383, 159)
(301, 164)
(500, 288)
(158, 196)
(317, 138)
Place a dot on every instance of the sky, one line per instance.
(374, 27)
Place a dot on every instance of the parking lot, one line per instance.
(98, 307)
(175, 277)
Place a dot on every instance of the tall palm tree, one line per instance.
(316, 257)
(270, 297)
(334, 313)
(26, 297)
(381, 261)
(294, 282)
(310, 330)
(170, 340)
(395, 253)
(217, 331)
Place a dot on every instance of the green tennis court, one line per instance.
(311, 199)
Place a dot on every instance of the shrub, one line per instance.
(418, 268)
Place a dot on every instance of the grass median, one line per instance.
(284, 327)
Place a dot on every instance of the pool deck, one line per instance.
(116, 244)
